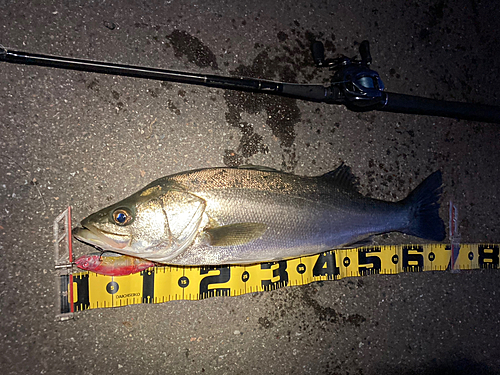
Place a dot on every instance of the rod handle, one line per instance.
(401, 103)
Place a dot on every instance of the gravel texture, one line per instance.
(86, 140)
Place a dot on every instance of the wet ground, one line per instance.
(86, 140)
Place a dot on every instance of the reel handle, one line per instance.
(318, 53)
(364, 51)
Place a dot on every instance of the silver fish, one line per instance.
(253, 214)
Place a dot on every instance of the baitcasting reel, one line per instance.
(359, 87)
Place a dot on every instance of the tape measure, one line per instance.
(78, 291)
(167, 283)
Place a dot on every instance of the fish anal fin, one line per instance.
(360, 243)
(234, 234)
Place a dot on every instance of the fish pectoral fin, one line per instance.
(234, 234)
(360, 243)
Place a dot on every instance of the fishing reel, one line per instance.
(356, 86)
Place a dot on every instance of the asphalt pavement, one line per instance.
(87, 140)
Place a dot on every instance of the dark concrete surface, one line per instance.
(87, 140)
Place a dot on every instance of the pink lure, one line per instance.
(120, 265)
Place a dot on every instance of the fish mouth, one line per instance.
(100, 239)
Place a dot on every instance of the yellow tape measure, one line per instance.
(167, 283)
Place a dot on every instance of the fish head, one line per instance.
(156, 223)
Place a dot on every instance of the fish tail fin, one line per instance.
(423, 204)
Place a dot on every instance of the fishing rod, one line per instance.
(353, 84)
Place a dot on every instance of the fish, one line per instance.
(251, 214)
(112, 264)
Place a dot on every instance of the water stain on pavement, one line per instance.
(329, 314)
(282, 114)
(265, 322)
(193, 49)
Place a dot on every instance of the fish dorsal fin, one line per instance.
(342, 177)
(234, 234)
(258, 168)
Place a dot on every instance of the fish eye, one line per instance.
(122, 216)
